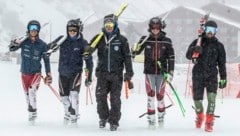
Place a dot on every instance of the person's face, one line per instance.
(33, 30)
(109, 26)
(33, 33)
(72, 31)
(210, 31)
(155, 29)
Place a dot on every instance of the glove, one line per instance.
(197, 49)
(48, 79)
(130, 84)
(168, 76)
(127, 77)
(12, 45)
(88, 80)
(222, 83)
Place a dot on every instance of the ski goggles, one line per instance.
(109, 25)
(72, 29)
(155, 27)
(33, 28)
(210, 29)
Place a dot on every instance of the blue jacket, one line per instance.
(31, 55)
(71, 57)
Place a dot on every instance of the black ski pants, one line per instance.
(109, 83)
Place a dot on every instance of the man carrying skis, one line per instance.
(158, 48)
(113, 56)
(70, 69)
(211, 60)
(32, 51)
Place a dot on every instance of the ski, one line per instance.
(54, 45)
(100, 35)
(24, 37)
(203, 20)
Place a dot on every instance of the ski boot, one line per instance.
(151, 121)
(209, 123)
(113, 127)
(66, 118)
(161, 118)
(102, 123)
(199, 120)
(32, 117)
(74, 119)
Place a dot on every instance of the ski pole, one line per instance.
(90, 95)
(174, 91)
(187, 79)
(126, 89)
(147, 112)
(170, 98)
(53, 90)
(88, 90)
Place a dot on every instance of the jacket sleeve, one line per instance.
(46, 59)
(171, 57)
(127, 58)
(189, 52)
(222, 62)
(88, 59)
(91, 49)
(141, 47)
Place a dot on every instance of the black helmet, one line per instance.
(211, 23)
(110, 17)
(156, 21)
(33, 25)
(75, 23)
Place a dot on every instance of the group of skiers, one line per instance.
(114, 55)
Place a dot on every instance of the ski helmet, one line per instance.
(75, 23)
(211, 23)
(156, 21)
(33, 25)
(111, 18)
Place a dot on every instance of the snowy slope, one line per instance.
(13, 116)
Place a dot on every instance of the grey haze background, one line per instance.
(15, 14)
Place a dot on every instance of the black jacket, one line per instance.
(113, 56)
(71, 57)
(213, 56)
(157, 49)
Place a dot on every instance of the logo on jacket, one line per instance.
(116, 48)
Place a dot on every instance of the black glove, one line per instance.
(88, 81)
(48, 79)
(197, 49)
(133, 54)
(222, 83)
(12, 45)
(130, 84)
(127, 77)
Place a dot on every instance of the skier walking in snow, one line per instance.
(71, 68)
(212, 59)
(158, 48)
(32, 51)
(113, 55)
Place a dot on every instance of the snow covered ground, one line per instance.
(13, 115)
